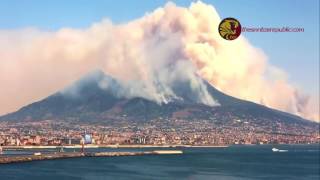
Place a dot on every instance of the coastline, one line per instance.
(111, 146)
(91, 146)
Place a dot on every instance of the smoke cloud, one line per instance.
(148, 56)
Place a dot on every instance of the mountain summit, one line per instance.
(98, 98)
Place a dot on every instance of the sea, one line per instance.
(300, 162)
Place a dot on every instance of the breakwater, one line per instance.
(65, 155)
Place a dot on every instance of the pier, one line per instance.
(65, 155)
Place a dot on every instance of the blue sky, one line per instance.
(296, 53)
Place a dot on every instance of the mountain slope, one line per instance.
(87, 101)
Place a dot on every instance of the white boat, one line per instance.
(278, 150)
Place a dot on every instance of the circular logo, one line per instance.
(229, 28)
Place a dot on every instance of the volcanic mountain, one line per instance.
(87, 101)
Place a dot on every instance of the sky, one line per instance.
(296, 53)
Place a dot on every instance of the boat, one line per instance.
(278, 150)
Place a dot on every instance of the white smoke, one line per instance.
(148, 56)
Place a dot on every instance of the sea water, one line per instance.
(234, 162)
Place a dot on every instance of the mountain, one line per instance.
(87, 101)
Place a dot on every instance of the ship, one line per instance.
(278, 150)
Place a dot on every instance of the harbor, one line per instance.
(4, 159)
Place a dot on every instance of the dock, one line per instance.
(65, 155)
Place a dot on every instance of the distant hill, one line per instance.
(86, 101)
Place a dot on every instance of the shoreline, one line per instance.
(111, 146)
(90, 146)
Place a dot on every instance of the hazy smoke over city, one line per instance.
(148, 55)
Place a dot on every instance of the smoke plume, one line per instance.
(148, 56)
